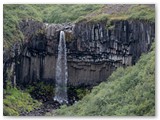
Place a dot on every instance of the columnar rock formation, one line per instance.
(94, 49)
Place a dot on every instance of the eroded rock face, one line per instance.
(94, 49)
(99, 48)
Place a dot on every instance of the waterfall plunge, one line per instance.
(61, 72)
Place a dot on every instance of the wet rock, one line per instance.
(46, 107)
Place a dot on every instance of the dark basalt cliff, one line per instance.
(94, 50)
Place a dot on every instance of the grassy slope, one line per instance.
(13, 14)
(68, 13)
(16, 101)
(129, 91)
(121, 12)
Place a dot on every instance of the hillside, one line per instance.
(129, 91)
(13, 14)
(16, 102)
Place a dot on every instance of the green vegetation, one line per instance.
(41, 91)
(82, 92)
(97, 18)
(68, 13)
(141, 12)
(136, 12)
(129, 91)
(13, 14)
(101, 17)
(77, 93)
(16, 101)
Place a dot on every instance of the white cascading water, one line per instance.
(61, 72)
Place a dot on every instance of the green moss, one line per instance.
(17, 101)
(129, 91)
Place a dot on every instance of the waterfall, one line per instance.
(61, 72)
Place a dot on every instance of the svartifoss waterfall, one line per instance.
(61, 72)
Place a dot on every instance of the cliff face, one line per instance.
(94, 50)
(99, 48)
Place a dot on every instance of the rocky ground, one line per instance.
(47, 107)
(48, 104)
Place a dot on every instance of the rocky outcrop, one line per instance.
(94, 49)
(99, 48)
